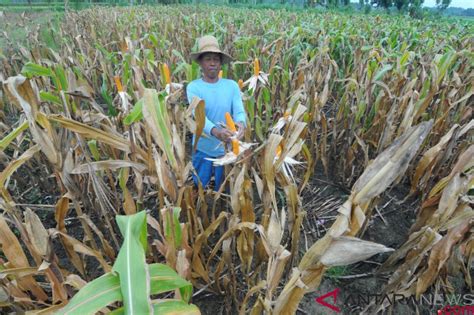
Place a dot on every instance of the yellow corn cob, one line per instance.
(256, 67)
(166, 73)
(230, 122)
(221, 73)
(235, 146)
(278, 150)
(231, 125)
(118, 83)
(241, 84)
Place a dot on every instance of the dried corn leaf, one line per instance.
(346, 250)
(439, 255)
(104, 165)
(89, 132)
(14, 165)
(13, 251)
(37, 233)
(390, 164)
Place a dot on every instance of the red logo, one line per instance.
(333, 293)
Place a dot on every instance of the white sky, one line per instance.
(454, 3)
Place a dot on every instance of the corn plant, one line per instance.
(103, 122)
(132, 280)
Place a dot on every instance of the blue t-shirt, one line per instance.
(219, 98)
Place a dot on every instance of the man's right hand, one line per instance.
(221, 134)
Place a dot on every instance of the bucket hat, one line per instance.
(208, 44)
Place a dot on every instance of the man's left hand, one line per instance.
(240, 130)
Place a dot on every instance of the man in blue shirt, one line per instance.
(220, 96)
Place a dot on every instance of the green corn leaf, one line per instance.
(382, 71)
(250, 107)
(360, 111)
(31, 69)
(444, 64)
(96, 295)
(404, 58)
(92, 144)
(172, 226)
(179, 55)
(118, 311)
(175, 307)
(266, 95)
(194, 71)
(106, 96)
(61, 78)
(182, 67)
(131, 265)
(164, 279)
(106, 289)
(49, 97)
(12, 135)
(170, 307)
(135, 114)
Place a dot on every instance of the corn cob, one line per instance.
(241, 84)
(231, 125)
(118, 83)
(256, 67)
(166, 73)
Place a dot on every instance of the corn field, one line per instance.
(98, 127)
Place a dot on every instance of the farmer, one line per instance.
(220, 96)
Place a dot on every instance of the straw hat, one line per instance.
(209, 43)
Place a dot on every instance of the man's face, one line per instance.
(210, 65)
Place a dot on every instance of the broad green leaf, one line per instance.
(94, 296)
(106, 96)
(194, 71)
(92, 144)
(135, 114)
(360, 111)
(382, 71)
(172, 226)
(61, 78)
(131, 265)
(49, 97)
(175, 307)
(266, 95)
(164, 279)
(106, 289)
(445, 62)
(31, 69)
(170, 307)
(12, 135)
(404, 58)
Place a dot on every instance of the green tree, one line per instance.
(414, 8)
(400, 4)
(442, 4)
(383, 3)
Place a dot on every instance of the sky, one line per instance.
(466, 4)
